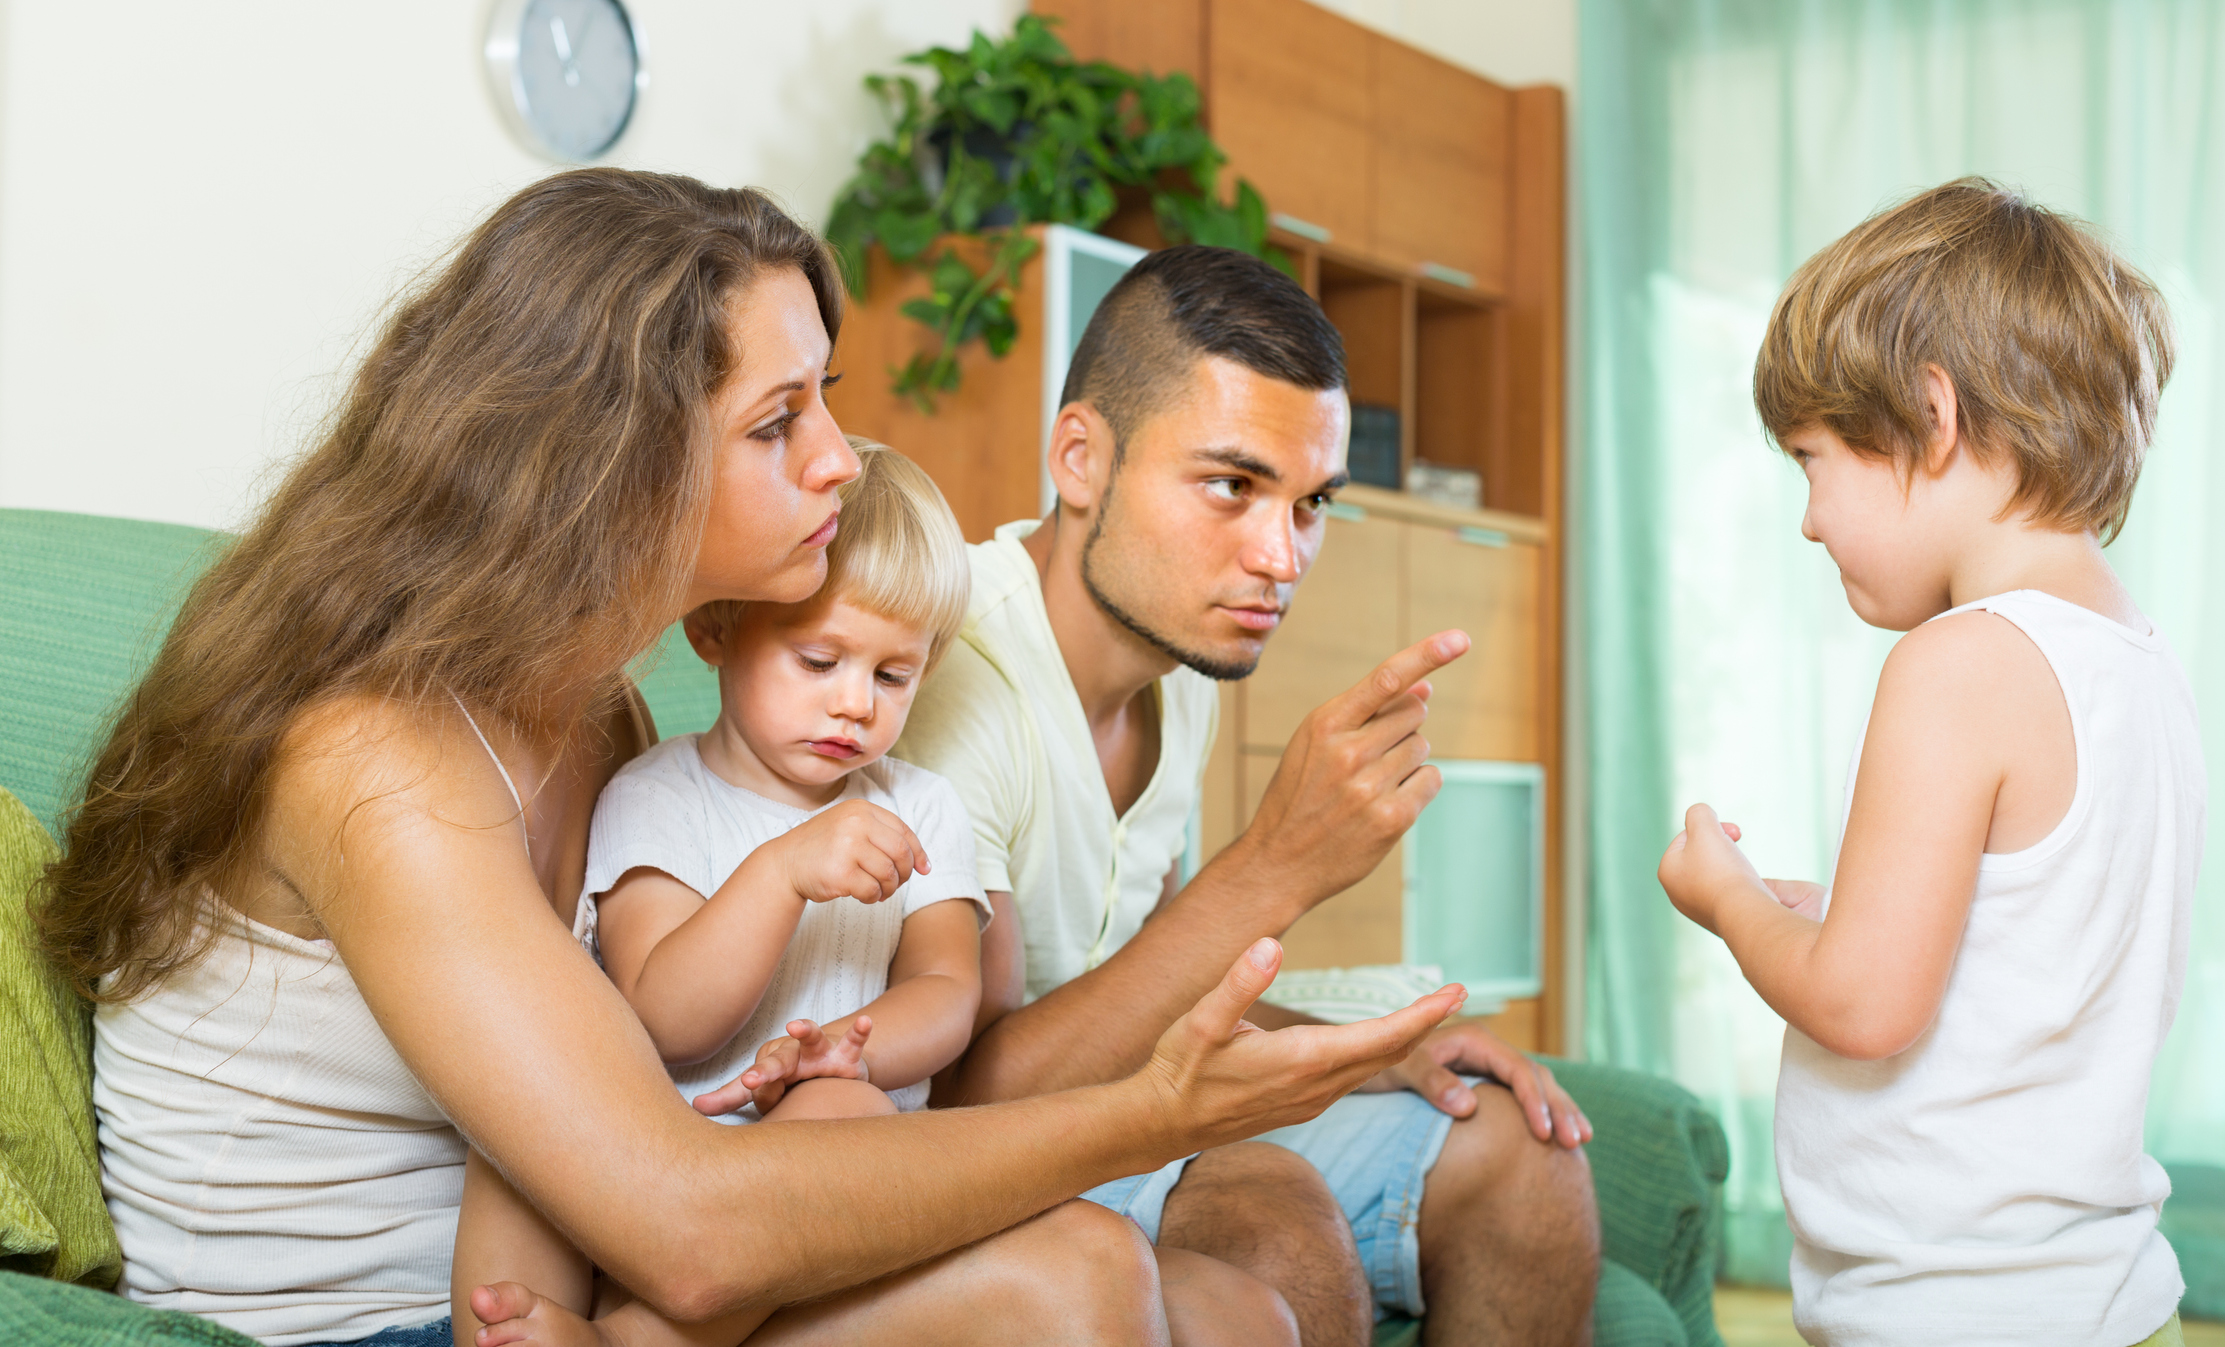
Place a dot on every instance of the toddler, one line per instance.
(770, 895)
(1969, 383)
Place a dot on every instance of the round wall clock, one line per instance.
(567, 74)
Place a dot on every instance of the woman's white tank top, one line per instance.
(1988, 1184)
(268, 1158)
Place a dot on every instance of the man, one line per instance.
(1202, 434)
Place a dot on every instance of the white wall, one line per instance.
(203, 208)
(1511, 41)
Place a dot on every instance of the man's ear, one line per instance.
(1080, 456)
(706, 629)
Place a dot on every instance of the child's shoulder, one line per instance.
(1963, 654)
(669, 766)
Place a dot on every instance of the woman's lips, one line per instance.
(838, 749)
(825, 534)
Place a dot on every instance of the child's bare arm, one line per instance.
(1968, 748)
(934, 986)
(694, 969)
(501, 1238)
(925, 1018)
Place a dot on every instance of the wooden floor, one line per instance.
(1755, 1318)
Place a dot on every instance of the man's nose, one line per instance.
(1272, 551)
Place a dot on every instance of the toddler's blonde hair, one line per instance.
(2057, 349)
(897, 551)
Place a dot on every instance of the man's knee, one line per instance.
(1251, 1194)
(1087, 1275)
(1494, 1170)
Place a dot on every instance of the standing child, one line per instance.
(1969, 383)
(770, 895)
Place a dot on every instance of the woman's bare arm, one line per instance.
(406, 847)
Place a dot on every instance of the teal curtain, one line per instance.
(1720, 143)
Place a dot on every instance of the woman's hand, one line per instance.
(1225, 1079)
(854, 850)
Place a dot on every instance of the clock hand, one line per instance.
(564, 51)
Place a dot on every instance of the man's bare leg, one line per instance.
(1509, 1235)
(1264, 1210)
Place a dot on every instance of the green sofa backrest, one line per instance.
(84, 603)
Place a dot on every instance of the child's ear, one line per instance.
(707, 629)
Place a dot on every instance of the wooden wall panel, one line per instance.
(1442, 146)
(1371, 315)
(982, 444)
(1342, 623)
(1288, 94)
(1484, 704)
(1159, 36)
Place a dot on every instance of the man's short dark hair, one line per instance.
(1179, 305)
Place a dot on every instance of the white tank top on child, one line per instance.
(1988, 1184)
(668, 811)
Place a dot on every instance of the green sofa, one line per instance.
(84, 599)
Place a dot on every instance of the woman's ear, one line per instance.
(708, 627)
(1080, 450)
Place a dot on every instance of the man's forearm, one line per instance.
(1101, 1025)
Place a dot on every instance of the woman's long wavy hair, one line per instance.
(503, 508)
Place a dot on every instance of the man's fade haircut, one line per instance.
(897, 551)
(2057, 349)
(1179, 305)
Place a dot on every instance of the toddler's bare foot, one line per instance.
(514, 1313)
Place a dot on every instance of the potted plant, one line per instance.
(1015, 133)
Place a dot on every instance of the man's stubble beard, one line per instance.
(1221, 671)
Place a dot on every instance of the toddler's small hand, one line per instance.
(805, 1052)
(855, 850)
(1801, 895)
(1700, 861)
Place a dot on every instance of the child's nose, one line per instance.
(853, 698)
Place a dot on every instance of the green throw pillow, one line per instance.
(52, 1220)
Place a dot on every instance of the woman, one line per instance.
(322, 877)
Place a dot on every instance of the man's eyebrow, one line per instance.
(1336, 483)
(1242, 462)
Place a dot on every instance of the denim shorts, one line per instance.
(1375, 1150)
(438, 1333)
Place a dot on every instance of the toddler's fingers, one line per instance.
(1730, 830)
(725, 1099)
(806, 1033)
(861, 1029)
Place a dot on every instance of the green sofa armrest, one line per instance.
(1658, 1159)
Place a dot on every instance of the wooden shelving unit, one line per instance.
(1424, 207)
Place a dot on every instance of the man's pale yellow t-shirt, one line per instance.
(1000, 719)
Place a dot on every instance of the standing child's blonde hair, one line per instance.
(2057, 349)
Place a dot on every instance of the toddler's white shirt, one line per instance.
(1988, 1184)
(669, 811)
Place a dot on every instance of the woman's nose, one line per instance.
(828, 459)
